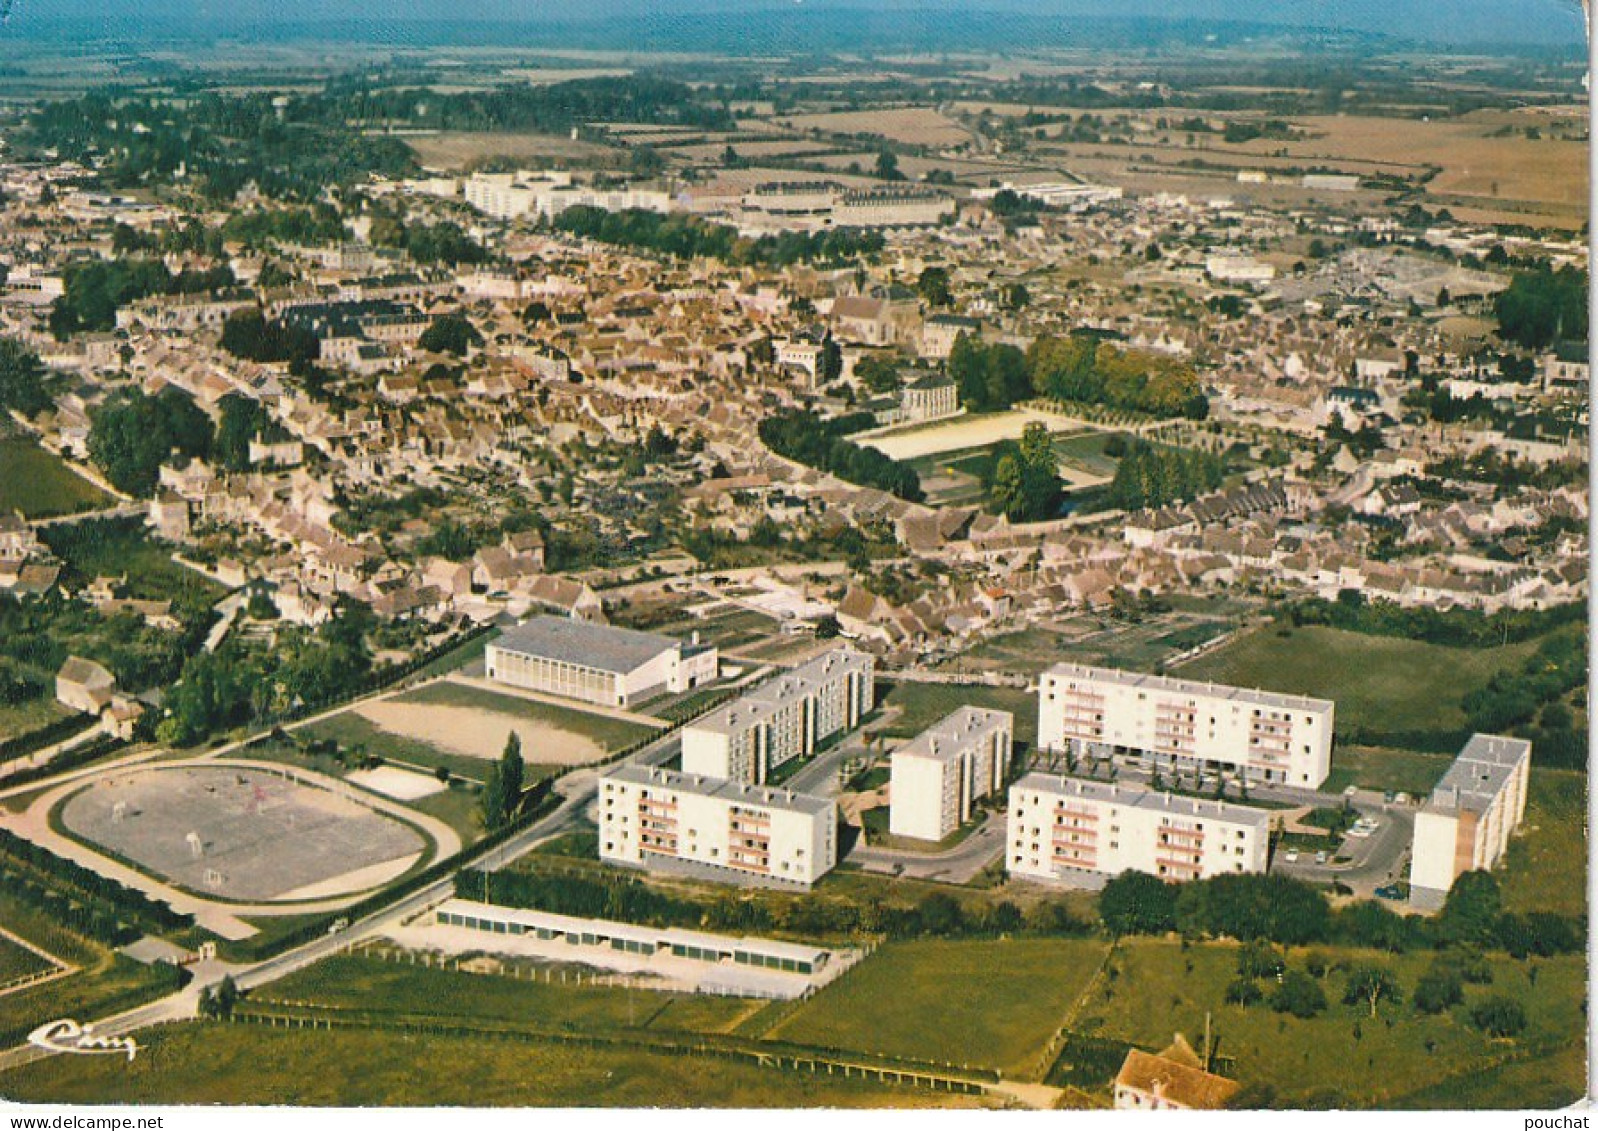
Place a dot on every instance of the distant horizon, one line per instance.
(806, 24)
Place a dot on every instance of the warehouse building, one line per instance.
(731, 831)
(1183, 724)
(939, 775)
(1065, 828)
(614, 667)
(1467, 821)
(787, 718)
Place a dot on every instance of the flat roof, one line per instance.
(597, 646)
(1141, 797)
(1479, 774)
(956, 733)
(742, 793)
(1193, 687)
(633, 932)
(769, 698)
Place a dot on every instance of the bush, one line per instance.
(1260, 960)
(1499, 1017)
(1299, 994)
(1438, 990)
(1243, 991)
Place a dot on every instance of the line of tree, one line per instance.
(803, 436)
(1079, 367)
(250, 334)
(131, 435)
(991, 376)
(96, 289)
(1151, 476)
(1352, 611)
(501, 798)
(443, 242)
(72, 883)
(24, 381)
(1260, 907)
(687, 237)
(1541, 308)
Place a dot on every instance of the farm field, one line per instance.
(39, 485)
(1013, 994)
(210, 1063)
(913, 126)
(462, 150)
(375, 985)
(1341, 1056)
(1381, 684)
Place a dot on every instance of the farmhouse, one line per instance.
(1467, 821)
(656, 818)
(939, 775)
(1184, 724)
(595, 663)
(785, 719)
(84, 685)
(1064, 828)
(1174, 1079)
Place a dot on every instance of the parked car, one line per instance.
(1402, 799)
(1389, 891)
(1320, 857)
(1292, 856)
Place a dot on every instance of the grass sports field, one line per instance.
(990, 1004)
(208, 1063)
(1382, 684)
(39, 485)
(1342, 1056)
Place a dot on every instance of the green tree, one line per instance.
(1470, 912)
(1136, 903)
(1298, 994)
(933, 286)
(1438, 990)
(23, 379)
(1369, 985)
(450, 333)
(887, 167)
(878, 373)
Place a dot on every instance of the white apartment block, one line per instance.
(1467, 821)
(1063, 828)
(939, 775)
(508, 196)
(595, 663)
(1185, 724)
(660, 819)
(787, 718)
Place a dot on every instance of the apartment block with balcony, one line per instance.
(787, 718)
(1077, 830)
(1469, 817)
(1185, 724)
(939, 775)
(730, 831)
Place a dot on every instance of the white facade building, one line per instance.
(939, 775)
(785, 719)
(1064, 828)
(1185, 724)
(656, 818)
(1467, 821)
(595, 663)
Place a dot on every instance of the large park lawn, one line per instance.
(1381, 684)
(1342, 1057)
(987, 1004)
(210, 1063)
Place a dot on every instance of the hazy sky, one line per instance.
(1520, 21)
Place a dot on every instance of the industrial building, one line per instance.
(654, 818)
(595, 663)
(939, 775)
(787, 718)
(1066, 828)
(1180, 724)
(1467, 821)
